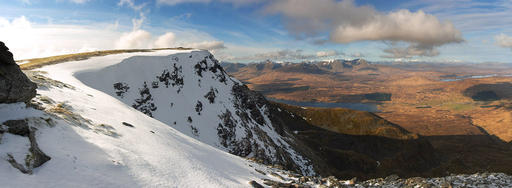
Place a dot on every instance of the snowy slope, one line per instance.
(191, 93)
(90, 146)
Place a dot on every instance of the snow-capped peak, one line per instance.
(96, 136)
(191, 93)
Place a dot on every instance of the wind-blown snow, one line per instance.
(150, 154)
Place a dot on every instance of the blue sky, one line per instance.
(256, 30)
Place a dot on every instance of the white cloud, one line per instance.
(174, 2)
(130, 4)
(503, 40)
(469, 15)
(182, 16)
(134, 39)
(79, 1)
(328, 53)
(283, 55)
(138, 39)
(29, 40)
(207, 45)
(347, 22)
(402, 25)
(395, 51)
(236, 51)
(166, 40)
(234, 2)
(357, 55)
(241, 2)
(286, 55)
(60, 1)
(137, 23)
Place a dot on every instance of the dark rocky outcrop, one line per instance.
(14, 85)
(121, 88)
(128, 124)
(145, 103)
(6, 56)
(35, 158)
(255, 184)
(17, 127)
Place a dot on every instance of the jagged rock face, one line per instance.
(6, 56)
(14, 84)
(192, 93)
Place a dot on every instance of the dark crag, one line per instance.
(14, 85)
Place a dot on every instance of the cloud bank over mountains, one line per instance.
(288, 55)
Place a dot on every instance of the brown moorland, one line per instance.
(412, 96)
(467, 120)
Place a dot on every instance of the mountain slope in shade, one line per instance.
(346, 121)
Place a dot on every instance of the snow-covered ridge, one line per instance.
(191, 93)
(95, 140)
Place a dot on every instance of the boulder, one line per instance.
(14, 84)
(17, 127)
(6, 57)
(255, 184)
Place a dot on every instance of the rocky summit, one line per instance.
(14, 84)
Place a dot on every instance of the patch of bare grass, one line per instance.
(40, 62)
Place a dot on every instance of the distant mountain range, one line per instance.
(316, 67)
